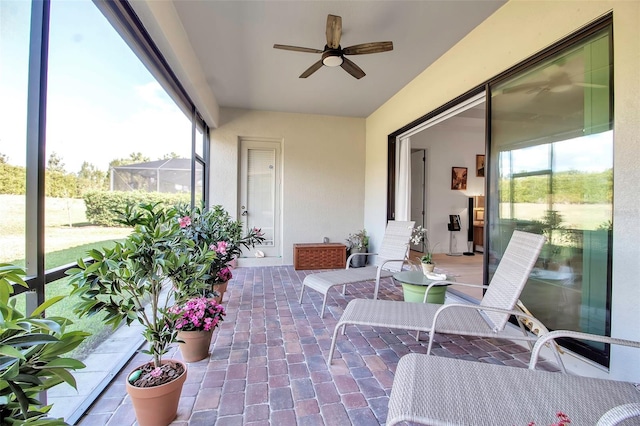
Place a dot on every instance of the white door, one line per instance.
(418, 162)
(260, 191)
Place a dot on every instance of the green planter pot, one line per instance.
(415, 293)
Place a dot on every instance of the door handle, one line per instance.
(244, 213)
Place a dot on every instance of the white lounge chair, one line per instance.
(435, 390)
(487, 319)
(389, 260)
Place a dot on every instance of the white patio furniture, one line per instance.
(389, 259)
(433, 390)
(488, 319)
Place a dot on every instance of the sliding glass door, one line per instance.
(551, 173)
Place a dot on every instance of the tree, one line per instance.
(90, 178)
(55, 163)
(170, 156)
(134, 157)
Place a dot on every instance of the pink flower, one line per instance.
(224, 274)
(184, 221)
(198, 314)
(156, 372)
(258, 232)
(221, 247)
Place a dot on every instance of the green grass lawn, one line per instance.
(93, 324)
(68, 237)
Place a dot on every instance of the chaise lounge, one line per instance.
(434, 390)
(389, 260)
(488, 319)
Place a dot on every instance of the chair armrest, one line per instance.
(546, 337)
(517, 314)
(619, 413)
(449, 282)
(391, 260)
(352, 255)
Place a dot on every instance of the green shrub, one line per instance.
(13, 179)
(103, 206)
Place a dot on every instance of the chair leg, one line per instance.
(324, 304)
(333, 341)
(301, 293)
(524, 332)
(375, 291)
(432, 334)
(344, 289)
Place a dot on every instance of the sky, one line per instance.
(592, 153)
(102, 103)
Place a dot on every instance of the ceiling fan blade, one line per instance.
(296, 48)
(352, 68)
(525, 87)
(334, 31)
(365, 48)
(592, 85)
(313, 68)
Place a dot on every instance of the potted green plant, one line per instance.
(197, 318)
(31, 361)
(136, 281)
(358, 242)
(419, 236)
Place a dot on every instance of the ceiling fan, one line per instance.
(333, 53)
(558, 81)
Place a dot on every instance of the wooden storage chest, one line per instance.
(319, 256)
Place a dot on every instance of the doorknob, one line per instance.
(244, 213)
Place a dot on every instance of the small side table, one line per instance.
(415, 283)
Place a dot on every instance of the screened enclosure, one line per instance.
(173, 176)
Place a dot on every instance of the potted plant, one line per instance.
(197, 318)
(217, 230)
(133, 281)
(419, 236)
(31, 361)
(358, 242)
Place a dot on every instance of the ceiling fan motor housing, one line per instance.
(332, 57)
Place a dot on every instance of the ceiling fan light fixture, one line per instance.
(332, 59)
(561, 88)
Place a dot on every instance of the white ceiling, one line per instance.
(233, 43)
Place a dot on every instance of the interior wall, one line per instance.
(515, 32)
(449, 147)
(322, 177)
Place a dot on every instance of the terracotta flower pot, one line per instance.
(220, 288)
(427, 267)
(158, 405)
(196, 344)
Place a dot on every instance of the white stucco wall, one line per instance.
(446, 148)
(322, 175)
(515, 32)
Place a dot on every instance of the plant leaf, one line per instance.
(46, 304)
(10, 351)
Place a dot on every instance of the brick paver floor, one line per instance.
(267, 364)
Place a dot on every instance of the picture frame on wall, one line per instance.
(458, 178)
(480, 165)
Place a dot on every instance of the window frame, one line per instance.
(605, 21)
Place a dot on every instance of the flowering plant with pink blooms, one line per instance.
(215, 228)
(198, 314)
